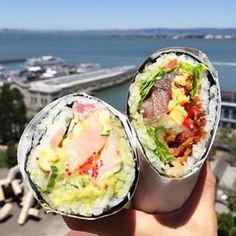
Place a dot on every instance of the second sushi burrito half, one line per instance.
(174, 106)
(77, 157)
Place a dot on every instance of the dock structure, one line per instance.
(39, 93)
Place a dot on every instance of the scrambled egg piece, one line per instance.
(181, 79)
(178, 98)
(178, 114)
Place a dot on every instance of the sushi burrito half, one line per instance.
(76, 156)
(174, 107)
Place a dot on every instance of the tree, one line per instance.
(11, 154)
(12, 115)
(225, 224)
(5, 114)
(223, 135)
(232, 201)
(232, 148)
(19, 119)
(232, 231)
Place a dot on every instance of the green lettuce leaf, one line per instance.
(186, 67)
(161, 147)
(198, 73)
(148, 83)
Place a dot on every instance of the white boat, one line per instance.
(44, 61)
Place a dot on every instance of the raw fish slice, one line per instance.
(84, 145)
(110, 156)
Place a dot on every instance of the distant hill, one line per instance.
(216, 33)
(205, 33)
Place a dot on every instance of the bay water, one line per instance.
(110, 51)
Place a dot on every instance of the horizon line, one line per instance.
(118, 29)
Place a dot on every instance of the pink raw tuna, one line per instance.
(83, 109)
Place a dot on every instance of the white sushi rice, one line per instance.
(209, 96)
(56, 117)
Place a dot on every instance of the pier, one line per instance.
(38, 94)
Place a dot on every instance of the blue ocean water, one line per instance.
(109, 51)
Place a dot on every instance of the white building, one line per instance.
(228, 109)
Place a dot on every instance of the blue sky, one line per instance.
(121, 14)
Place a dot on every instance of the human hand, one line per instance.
(196, 217)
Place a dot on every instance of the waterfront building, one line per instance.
(228, 114)
(39, 93)
(228, 110)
